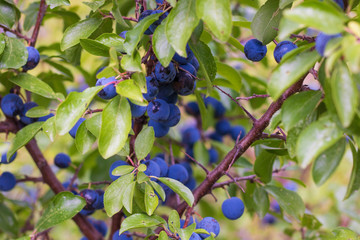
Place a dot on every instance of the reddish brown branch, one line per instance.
(18, 34)
(253, 96)
(115, 223)
(30, 179)
(40, 16)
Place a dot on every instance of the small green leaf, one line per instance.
(79, 30)
(122, 170)
(49, 128)
(230, 74)
(113, 197)
(288, 200)
(233, 41)
(310, 222)
(144, 142)
(217, 16)
(116, 12)
(263, 166)
(312, 13)
(162, 48)
(8, 222)
(151, 200)
(187, 232)
(342, 233)
(84, 139)
(128, 197)
(132, 63)
(94, 4)
(261, 201)
(2, 43)
(181, 22)
(327, 162)
(129, 89)
(23, 137)
(284, 3)
(94, 47)
(158, 189)
(290, 70)
(8, 14)
(344, 92)
(33, 84)
(14, 55)
(315, 139)
(134, 35)
(297, 107)
(112, 40)
(140, 220)
(179, 188)
(74, 106)
(163, 236)
(36, 112)
(93, 124)
(56, 3)
(63, 206)
(174, 220)
(115, 126)
(354, 183)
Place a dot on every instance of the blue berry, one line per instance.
(184, 83)
(172, 98)
(183, 60)
(7, 181)
(233, 208)
(282, 48)
(321, 41)
(236, 130)
(158, 110)
(269, 219)
(191, 135)
(12, 105)
(187, 166)
(191, 221)
(152, 89)
(191, 183)
(99, 225)
(223, 127)
(115, 165)
(154, 25)
(27, 120)
(195, 63)
(85, 212)
(124, 236)
(123, 34)
(213, 155)
(195, 236)
(163, 166)
(109, 91)
(165, 74)
(4, 158)
(189, 67)
(254, 50)
(219, 109)
(90, 197)
(153, 169)
(165, 90)
(159, 128)
(178, 172)
(44, 118)
(73, 131)
(33, 58)
(143, 15)
(216, 137)
(62, 160)
(136, 110)
(210, 225)
(174, 116)
(192, 108)
(340, 3)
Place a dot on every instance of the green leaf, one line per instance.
(115, 126)
(8, 222)
(158, 189)
(114, 194)
(63, 206)
(266, 21)
(14, 55)
(2, 43)
(312, 14)
(354, 183)
(342, 233)
(261, 201)
(94, 4)
(23, 137)
(217, 16)
(230, 74)
(79, 30)
(315, 139)
(327, 162)
(284, 3)
(33, 84)
(56, 3)
(132, 63)
(288, 200)
(144, 142)
(8, 14)
(286, 27)
(297, 107)
(310, 222)
(94, 47)
(111, 40)
(207, 63)
(174, 220)
(179, 188)
(182, 20)
(344, 92)
(140, 220)
(49, 128)
(233, 41)
(129, 89)
(201, 153)
(134, 35)
(129, 196)
(151, 200)
(203, 111)
(74, 106)
(263, 166)
(161, 46)
(290, 70)
(116, 12)
(36, 112)
(93, 124)
(163, 236)
(84, 139)
(187, 232)
(122, 170)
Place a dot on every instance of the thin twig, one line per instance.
(193, 159)
(303, 37)
(30, 179)
(238, 184)
(40, 16)
(253, 96)
(18, 34)
(72, 180)
(97, 183)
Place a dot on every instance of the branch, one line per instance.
(18, 34)
(255, 133)
(40, 16)
(30, 179)
(253, 96)
(278, 136)
(115, 223)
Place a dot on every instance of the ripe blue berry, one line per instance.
(33, 58)
(158, 110)
(44, 118)
(254, 50)
(188, 67)
(174, 116)
(159, 128)
(178, 172)
(4, 158)
(27, 120)
(216, 137)
(184, 83)
(99, 225)
(136, 110)
(124, 236)
(171, 99)
(62, 160)
(109, 91)
(115, 165)
(152, 168)
(163, 166)
(152, 89)
(210, 225)
(236, 130)
(233, 208)
(282, 48)
(7, 181)
(73, 131)
(123, 34)
(165, 74)
(190, 135)
(191, 183)
(183, 60)
(223, 127)
(195, 63)
(192, 108)
(12, 105)
(321, 41)
(90, 197)
(219, 109)
(213, 155)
